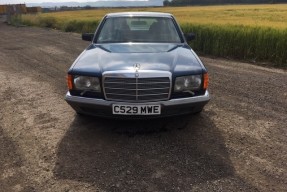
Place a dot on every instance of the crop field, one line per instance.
(256, 33)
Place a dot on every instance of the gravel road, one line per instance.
(238, 143)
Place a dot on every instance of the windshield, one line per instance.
(138, 29)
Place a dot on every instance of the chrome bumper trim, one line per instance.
(172, 102)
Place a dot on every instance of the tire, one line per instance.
(198, 112)
(80, 114)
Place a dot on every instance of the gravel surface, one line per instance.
(238, 143)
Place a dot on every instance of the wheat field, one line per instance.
(255, 33)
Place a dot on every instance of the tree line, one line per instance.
(217, 2)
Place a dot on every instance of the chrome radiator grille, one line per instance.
(137, 89)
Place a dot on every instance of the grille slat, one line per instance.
(137, 89)
(118, 94)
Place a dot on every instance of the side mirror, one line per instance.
(189, 36)
(87, 36)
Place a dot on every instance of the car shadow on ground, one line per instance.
(149, 155)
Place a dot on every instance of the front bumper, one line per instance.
(103, 108)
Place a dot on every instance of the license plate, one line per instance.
(136, 109)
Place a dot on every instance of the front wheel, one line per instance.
(80, 114)
(198, 111)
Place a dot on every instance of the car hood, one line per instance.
(175, 58)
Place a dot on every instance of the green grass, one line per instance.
(77, 26)
(257, 44)
(254, 33)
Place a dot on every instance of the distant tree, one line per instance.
(88, 7)
(166, 3)
(218, 2)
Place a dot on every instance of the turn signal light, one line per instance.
(70, 81)
(205, 81)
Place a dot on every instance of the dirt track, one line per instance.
(238, 143)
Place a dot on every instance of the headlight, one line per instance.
(187, 83)
(87, 83)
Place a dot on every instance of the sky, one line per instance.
(41, 1)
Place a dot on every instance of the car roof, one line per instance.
(145, 14)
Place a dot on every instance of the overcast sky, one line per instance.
(40, 1)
